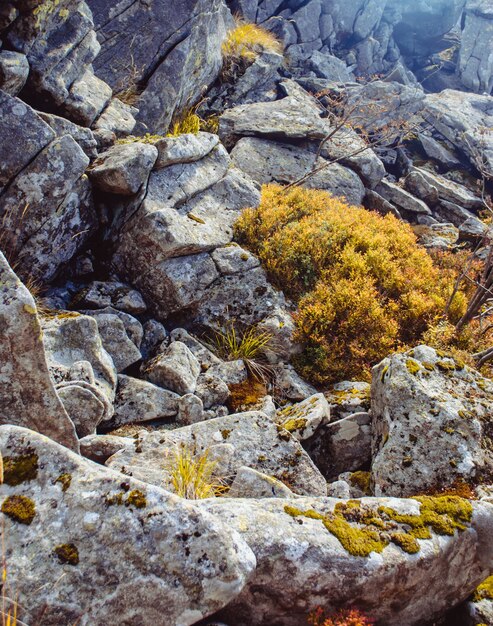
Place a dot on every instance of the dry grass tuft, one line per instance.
(193, 475)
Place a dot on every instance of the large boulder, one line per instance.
(246, 439)
(165, 52)
(106, 546)
(361, 554)
(475, 60)
(27, 395)
(431, 423)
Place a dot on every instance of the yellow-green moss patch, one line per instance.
(19, 508)
(67, 553)
(484, 591)
(137, 499)
(64, 480)
(361, 480)
(20, 469)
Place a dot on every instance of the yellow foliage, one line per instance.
(362, 283)
(188, 122)
(192, 475)
(244, 43)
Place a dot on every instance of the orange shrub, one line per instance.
(350, 617)
(363, 285)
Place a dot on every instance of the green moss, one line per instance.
(428, 366)
(484, 591)
(19, 508)
(20, 469)
(67, 553)
(64, 480)
(137, 499)
(361, 480)
(446, 366)
(413, 366)
(361, 530)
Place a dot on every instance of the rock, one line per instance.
(117, 117)
(303, 553)
(14, 70)
(401, 198)
(83, 136)
(329, 67)
(429, 423)
(475, 65)
(124, 168)
(431, 187)
(249, 483)
(291, 386)
(24, 135)
(27, 395)
(375, 202)
(133, 328)
(204, 356)
(84, 408)
(176, 563)
(211, 390)
(290, 118)
(342, 446)
(116, 341)
(348, 397)
(99, 294)
(438, 151)
(231, 372)
(438, 236)
(479, 609)
(154, 335)
(69, 339)
(175, 368)
(253, 440)
(233, 260)
(190, 410)
(268, 161)
(187, 44)
(40, 190)
(463, 119)
(139, 401)
(99, 448)
(302, 420)
(87, 98)
(186, 148)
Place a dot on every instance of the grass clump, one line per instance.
(193, 475)
(243, 44)
(363, 285)
(188, 122)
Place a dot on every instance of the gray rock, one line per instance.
(438, 151)
(24, 135)
(186, 148)
(139, 401)
(84, 408)
(116, 341)
(268, 161)
(429, 423)
(99, 294)
(124, 168)
(475, 65)
(99, 448)
(431, 187)
(154, 335)
(300, 562)
(187, 44)
(233, 260)
(211, 390)
(289, 385)
(204, 356)
(175, 368)
(342, 446)
(176, 563)
(27, 395)
(250, 483)
(190, 410)
(289, 118)
(231, 372)
(14, 70)
(401, 198)
(303, 420)
(70, 338)
(253, 439)
(348, 397)
(83, 136)
(132, 326)
(87, 98)
(117, 117)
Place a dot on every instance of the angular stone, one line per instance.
(401, 198)
(175, 565)
(429, 423)
(27, 395)
(99, 448)
(175, 368)
(87, 97)
(186, 148)
(84, 408)
(124, 168)
(83, 136)
(99, 294)
(14, 70)
(250, 483)
(117, 117)
(348, 397)
(254, 441)
(302, 420)
(139, 401)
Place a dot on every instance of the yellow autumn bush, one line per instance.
(363, 285)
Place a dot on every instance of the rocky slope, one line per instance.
(118, 264)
